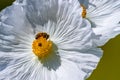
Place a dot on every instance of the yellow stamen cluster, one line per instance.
(84, 12)
(42, 46)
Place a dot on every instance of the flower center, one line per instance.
(42, 46)
(84, 12)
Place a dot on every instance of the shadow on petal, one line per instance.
(52, 61)
(87, 3)
(4, 62)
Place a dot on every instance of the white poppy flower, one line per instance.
(104, 16)
(46, 40)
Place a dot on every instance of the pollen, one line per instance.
(42, 46)
(84, 12)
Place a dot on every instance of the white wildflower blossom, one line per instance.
(104, 16)
(46, 40)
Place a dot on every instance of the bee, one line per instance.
(42, 34)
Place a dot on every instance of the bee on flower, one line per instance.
(46, 40)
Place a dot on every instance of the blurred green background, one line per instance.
(109, 66)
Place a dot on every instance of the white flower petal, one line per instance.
(106, 33)
(77, 38)
(14, 17)
(47, 10)
(40, 11)
(104, 16)
(86, 61)
(5, 60)
(24, 66)
(18, 66)
(20, 2)
(77, 48)
(62, 21)
(69, 71)
(100, 7)
(76, 35)
(68, 27)
(13, 23)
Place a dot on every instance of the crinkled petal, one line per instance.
(13, 26)
(14, 17)
(39, 11)
(5, 60)
(69, 29)
(22, 66)
(78, 35)
(62, 21)
(104, 16)
(69, 71)
(100, 7)
(74, 39)
(20, 2)
(106, 34)
(47, 10)
(86, 61)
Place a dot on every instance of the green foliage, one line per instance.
(5, 3)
